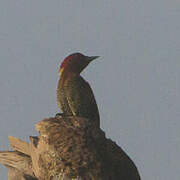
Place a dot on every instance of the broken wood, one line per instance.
(70, 148)
(19, 145)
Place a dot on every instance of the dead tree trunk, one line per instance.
(68, 149)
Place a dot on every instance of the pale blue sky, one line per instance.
(136, 81)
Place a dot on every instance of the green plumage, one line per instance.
(75, 97)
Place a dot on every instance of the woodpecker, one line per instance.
(74, 95)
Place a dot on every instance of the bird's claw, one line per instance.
(60, 115)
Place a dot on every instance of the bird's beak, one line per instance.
(91, 58)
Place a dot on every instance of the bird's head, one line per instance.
(75, 63)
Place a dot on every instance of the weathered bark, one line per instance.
(69, 148)
(19, 165)
(19, 145)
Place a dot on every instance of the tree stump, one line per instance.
(70, 148)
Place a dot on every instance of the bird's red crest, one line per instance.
(70, 58)
(73, 63)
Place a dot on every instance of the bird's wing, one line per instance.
(81, 98)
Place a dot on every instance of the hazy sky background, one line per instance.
(136, 81)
